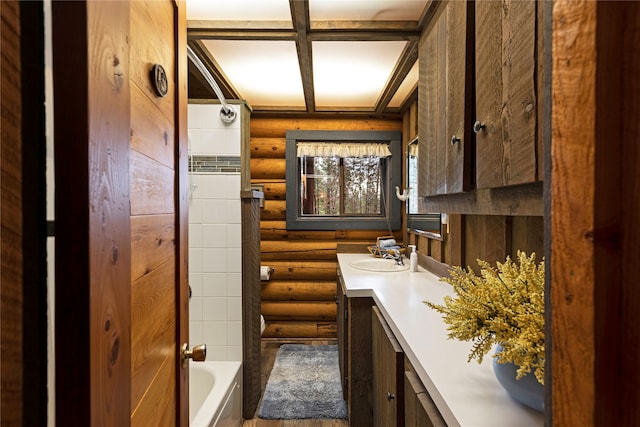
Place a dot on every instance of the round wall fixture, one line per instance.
(159, 80)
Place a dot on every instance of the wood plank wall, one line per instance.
(299, 300)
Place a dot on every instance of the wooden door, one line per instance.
(121, 218)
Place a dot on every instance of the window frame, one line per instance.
(392, 217)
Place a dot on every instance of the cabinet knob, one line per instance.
(390, 396)
(455, 139)
(478, 126)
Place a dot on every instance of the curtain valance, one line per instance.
(343, 149)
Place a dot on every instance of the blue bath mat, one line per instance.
(304, 384)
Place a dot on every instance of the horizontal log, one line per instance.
(304, 270)
(327, 330)
(298, 291)
(277, 128)
(272, 148)
(274, 210)
(271, 229)
(298, 329)
(268, 168)
(298, 250)
(304, 310)
(272, 189)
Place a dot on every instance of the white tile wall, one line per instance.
(215, 264)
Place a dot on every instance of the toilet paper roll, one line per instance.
(265, 273)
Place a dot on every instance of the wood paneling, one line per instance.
(158, 407)
(152, 326)
(153, 42)
(151, 134)
(152, 243)
(300, 297)
(158, 215)
(11, 254)
(151, 181)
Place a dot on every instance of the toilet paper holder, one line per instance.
(265, 272)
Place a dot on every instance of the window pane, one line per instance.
(320, 186)
(362, 186)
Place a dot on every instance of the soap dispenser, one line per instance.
(413, 258)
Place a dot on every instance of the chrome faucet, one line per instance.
(395, 255)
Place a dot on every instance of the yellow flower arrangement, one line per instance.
(504, 305)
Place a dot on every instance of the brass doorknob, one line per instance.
(198, 353)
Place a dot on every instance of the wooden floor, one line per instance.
(269, 351)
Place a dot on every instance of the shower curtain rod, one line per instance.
(227, 114)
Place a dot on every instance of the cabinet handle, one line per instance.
(478, 126)
(390, 396)
(455, 139)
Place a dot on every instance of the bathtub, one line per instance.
(215, 397)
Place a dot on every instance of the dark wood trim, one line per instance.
(13, 385)
(251, 303)
(34, 350)
(514, 201)
(227, 88)
(72, 195)
(407, 60)
(181, 200)
(300, 14)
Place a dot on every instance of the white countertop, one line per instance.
(466, 393)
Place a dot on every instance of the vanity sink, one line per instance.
(378, 265)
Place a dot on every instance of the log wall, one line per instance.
(299, 300)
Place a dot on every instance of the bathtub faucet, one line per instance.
(395, 255)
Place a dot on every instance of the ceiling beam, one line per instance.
(228, 90)
(405, 63)
(243, 34)
(300, 15)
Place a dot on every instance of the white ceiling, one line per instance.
(310, 56)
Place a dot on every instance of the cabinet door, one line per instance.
(420, 411)
(343, 344)
(506, 105)
(445, 101)
(388, 366)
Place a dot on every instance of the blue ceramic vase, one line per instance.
(527, 390)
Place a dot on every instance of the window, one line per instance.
(416, 220)
(343, 180)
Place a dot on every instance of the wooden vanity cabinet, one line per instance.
(388, 378)
(354, 338)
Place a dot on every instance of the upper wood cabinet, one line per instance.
(444, 101)
(479, 109)
(506, 89)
